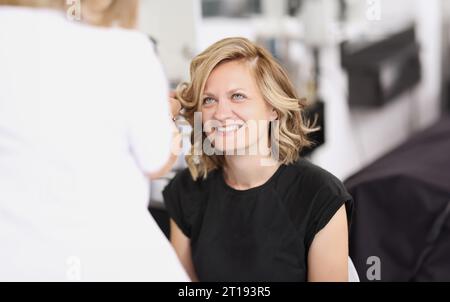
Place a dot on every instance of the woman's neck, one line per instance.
(248, 171)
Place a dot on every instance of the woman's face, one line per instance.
(234, 114)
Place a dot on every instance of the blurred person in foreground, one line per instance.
(84, 125)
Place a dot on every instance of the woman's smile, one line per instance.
(227, 129)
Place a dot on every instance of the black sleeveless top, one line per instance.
(259, 234)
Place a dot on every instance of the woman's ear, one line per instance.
(273, 115)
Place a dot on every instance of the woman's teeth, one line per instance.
(229, 128)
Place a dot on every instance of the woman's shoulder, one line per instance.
(184, 198)
(308, 175)
(306, 185)
(183, 181)
(312, 196)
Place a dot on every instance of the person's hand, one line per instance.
(175, 148)
(175, 105)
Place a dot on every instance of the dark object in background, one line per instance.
(294, 7)
(402, 210)
(343, 11)
(231, 9)
(155, 43)
(447, 106)
(379, 71)
(315, 112)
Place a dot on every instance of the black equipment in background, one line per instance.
(380, 71)
(315, 112)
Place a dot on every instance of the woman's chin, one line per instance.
(230, 149)
(230, 144)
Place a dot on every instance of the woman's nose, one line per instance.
(223, 110)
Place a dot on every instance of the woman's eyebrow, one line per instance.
(236, 90)
(206, 93)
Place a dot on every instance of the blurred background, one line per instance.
(376, 74)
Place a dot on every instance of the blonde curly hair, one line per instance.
(274, 85)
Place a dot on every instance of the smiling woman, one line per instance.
(244, 216)
(238, 110)
(266, 84)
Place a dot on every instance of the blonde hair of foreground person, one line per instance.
(274, 85)
(122, 13)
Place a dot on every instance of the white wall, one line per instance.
(430, 16)
(175, 24)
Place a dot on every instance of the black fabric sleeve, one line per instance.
(176, 199)
(329, 198)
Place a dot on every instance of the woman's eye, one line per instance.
(238, 96)
(208, 101)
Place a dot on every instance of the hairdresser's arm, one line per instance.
(172, 158)
(182, 246)
(175, 108)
